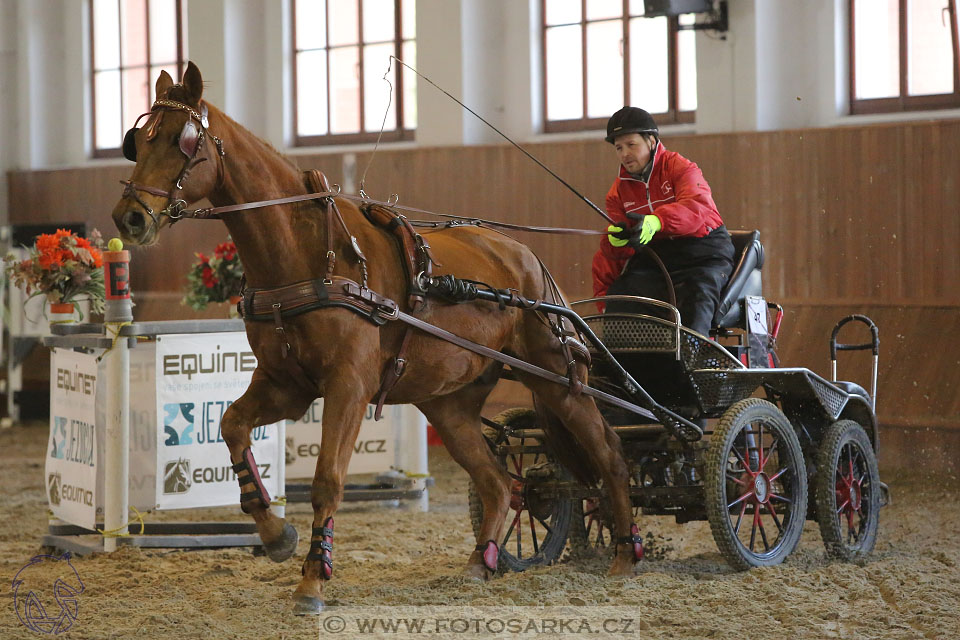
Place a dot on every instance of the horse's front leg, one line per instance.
(343, 409)
(264, 402)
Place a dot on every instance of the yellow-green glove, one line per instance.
(616, 240)
(649, 226)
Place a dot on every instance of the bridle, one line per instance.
(191, 142)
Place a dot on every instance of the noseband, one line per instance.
(191, 142)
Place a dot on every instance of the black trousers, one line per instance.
(699, 267)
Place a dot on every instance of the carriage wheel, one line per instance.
(536, 524)
(591, 521)
(755, 485)
(847, 491)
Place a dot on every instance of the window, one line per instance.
(131, 42)
(903, 55)
(599, 55)
(342, 50)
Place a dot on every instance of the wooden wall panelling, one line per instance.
(828, 203)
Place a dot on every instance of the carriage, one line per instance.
(331, 312)
(785, 446)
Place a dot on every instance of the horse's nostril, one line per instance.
(133, 221)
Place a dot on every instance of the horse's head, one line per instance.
(179, 161)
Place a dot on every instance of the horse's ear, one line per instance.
(164, 82)
(193, 82)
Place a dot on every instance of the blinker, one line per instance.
(130, 144)
(189, 137)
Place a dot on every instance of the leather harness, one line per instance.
(276, 303)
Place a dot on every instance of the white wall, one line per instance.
(8, 96)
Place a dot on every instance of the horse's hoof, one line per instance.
(284, 546)
(477, 573)
(307, 606)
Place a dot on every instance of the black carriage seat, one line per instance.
(744, 281)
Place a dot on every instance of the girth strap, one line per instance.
(392, 372)
(300, 297)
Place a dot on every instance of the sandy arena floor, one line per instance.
(909, 588)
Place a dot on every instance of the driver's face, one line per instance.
(633, 150)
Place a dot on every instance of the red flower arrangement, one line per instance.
(215, 279)
(63, 267)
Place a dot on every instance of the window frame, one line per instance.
(903, 103)
(673, 115)
(117, 152)
(399, 132)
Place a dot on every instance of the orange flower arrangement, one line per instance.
(63, 267)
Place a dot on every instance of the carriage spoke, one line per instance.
(600, 541)
(780, 498)
(736, 528)
(506, 537)
(731, 475)
(773, 514)
(763, 535)
(533, 534)
(543, 523)
(519, 535)
(741, 498)
(779, 473)
(518, 463)
(753, 529)
(760, 460)
(770, 452)
(740, 458)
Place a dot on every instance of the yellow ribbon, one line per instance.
(113, 328)
(116, 533)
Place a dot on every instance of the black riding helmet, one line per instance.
(630, 120)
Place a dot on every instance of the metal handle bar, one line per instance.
(874, 344)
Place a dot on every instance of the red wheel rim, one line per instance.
(761, 481)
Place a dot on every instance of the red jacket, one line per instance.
(675, 191)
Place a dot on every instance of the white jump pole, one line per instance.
(280, 510)
(118, 312)
(412, 454)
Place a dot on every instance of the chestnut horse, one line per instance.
(339, 354)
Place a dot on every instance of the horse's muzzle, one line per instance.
(133, 225)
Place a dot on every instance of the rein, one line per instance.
(213, 213)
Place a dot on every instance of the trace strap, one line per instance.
(209, 213)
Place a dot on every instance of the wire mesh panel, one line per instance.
(634, 334)
(718, 389)
(832, 399)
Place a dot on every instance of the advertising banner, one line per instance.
(197, 377)
(143, 428)
(373, 452)
(71, 464)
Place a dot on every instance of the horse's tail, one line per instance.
(563, 446)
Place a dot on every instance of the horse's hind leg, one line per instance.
(264, 402)
(456, 418)
(580, 416)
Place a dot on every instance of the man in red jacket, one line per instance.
(660, 200)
